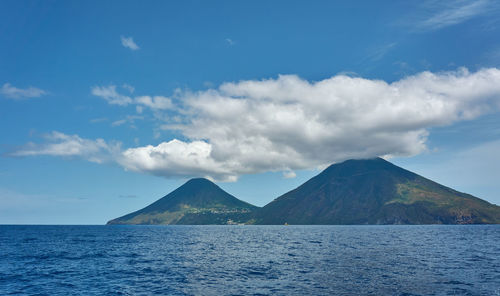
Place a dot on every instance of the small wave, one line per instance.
(453, 282)
(315, 242)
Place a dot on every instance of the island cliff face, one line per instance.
(370, 191)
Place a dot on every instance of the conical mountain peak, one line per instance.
(197, 198)
(356, 166)
(199, 182)
(197, 186)
(375, 191)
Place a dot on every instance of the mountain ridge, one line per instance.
(367, 191)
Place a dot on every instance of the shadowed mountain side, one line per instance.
(198, 201)
(374, 191)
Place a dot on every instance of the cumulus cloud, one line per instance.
(128, 87)
(113, 97)
(60, 144)
(13, 92)
(289, 174)
(110, 94)
(156, 102)
(129, 43)
(289, 123)
(176, 159)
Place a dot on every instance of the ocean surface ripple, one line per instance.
(250, 260)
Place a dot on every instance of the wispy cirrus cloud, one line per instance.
(12, 92)
(377, 53)
(128, 119)
(128, 42)
(441, 14)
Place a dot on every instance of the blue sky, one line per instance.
(105, 106)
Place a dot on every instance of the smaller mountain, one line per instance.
(198, 201)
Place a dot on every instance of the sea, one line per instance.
(250, 260)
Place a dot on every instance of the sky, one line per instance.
(106, 106)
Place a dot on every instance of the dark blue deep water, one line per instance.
(250, 260)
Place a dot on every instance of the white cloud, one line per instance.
(13, 92)
(230, 41)
(110, 94)
(289, 174)
(377, 53)
(113, 97)
(128, 87)
(175, 158)
(156, 102)
(128, 119)
(129, 43)
(288, 123)
(453, 12)
(118, 122)
(59, 144)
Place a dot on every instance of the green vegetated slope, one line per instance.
(374, 191)
(198, 201)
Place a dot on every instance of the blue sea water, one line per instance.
(250, 260)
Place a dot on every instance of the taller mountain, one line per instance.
(198, 201)
(374, 191)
